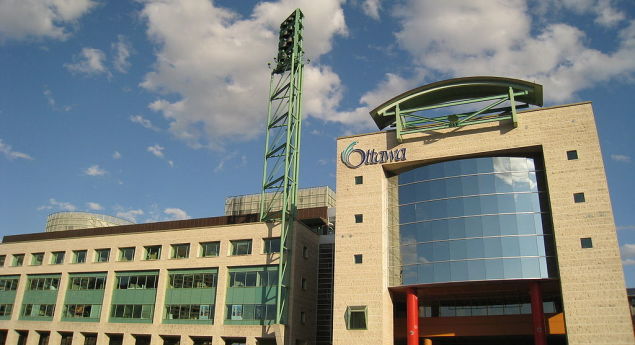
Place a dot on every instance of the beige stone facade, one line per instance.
(302, 300)
(591, 280)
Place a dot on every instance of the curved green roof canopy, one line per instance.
(404, 111)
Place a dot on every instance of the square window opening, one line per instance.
(578, 197)
(153, 252)
(209, 249)
(180, 251)
(359, 258)
(359, 218)
(359, 179)
(572, 155)
(586, 242)
(356, 317)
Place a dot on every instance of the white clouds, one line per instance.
(10, 154)
(24, 19)
(90, 61)
(51, 101)
(143, 122)
(625, 227)
(94, 206)
(176, 213)
(496, 38)
(122, 51)
(116, 155)
(57, 205)
(371, 8)
(621, 158)
(156, 150)
(628, 250)
(130, 215)
(95, 170)
(216, 62)
(604, 11)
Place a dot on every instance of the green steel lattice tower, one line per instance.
(282, 146)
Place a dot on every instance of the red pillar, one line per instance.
(537, 314)
(412, 319)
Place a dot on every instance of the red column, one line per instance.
(537, 314)
(412, 319)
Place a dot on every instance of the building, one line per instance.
(209, 281)
(500, 232)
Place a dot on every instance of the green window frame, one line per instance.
(87, 283)
(102, 255)
(193, 280)
(37, 259)
(152, 252)
(132, 311)
(240, 247)
(180, 251)
(38, 310)
(79, 256)
(253, 278)
(137, 282)
(210, 249)
(18, 260)
(84, 311)
(357, 317)
(57, 258)
(189, 312)
(8, 284)
(44, 283)
(6, 309)
(272, 245)
(126, 253)
(250, 312)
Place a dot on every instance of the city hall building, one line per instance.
(490, 225)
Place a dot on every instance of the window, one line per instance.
(180, 251)
(2, 259)
(356, 317)
(5, 309)
(79, 256)
(37, 259)
(67, 338)
(359, 179)
(272, 245)
(44, 283)
(305, 252)
(210, 249)
(87, 283)
(359, 258)
(586, 242)
(201, 340)
(303, 317)
(137, 282)
(18, 260)
(31, 310)
(82, 311)
(251, 312)
(90, 338)
(189, 312)
(571, 155)
(193, 280)
(126, 254)
(153, 252)
(131, 311)
(241, 247)
(57, 258)
(8, 284)
(303, 283)
(102, 255)
(253, 278)
(359, 218)
(578, 197)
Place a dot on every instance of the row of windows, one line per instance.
(253, 278)
(87, 283)
(44, 283)
(5, 309)
(38, 310)
(189, 312)
(251, 312)
(193, 281)
(132, 311)
(82, 311)
(137, 282)
(443, 310)
(179, 251)
(9, 284)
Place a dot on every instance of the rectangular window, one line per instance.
(79, 256)
(571, 155)
(251, 312)
(18, 260)
(5, 309)
(102, 255)
(272, 245)
(67, 338)
(57, 258)
(153, 252)
(209, 249)
(578, 197)
(137, 282)
(359, 179)
(193, 280)
(44, 283)
(253, 278)
(9, 284)
(241, 247)
(356, 317)
(87, 283)
(189, 312)
(37, 259)
(90, 338)
(586, 242)
(359, 218)
(126, 254)
(305, 252)
(2, 259)
(132, 311)
(304, 283)
(35, 310)
(359, 258)
(87, 311)
(180, 251)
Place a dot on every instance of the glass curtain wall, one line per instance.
(474, 219)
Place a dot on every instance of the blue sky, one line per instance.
(153, 110)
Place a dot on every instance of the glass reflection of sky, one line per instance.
(473, 219)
